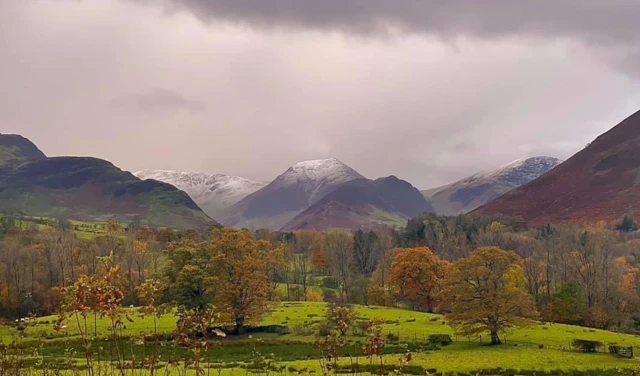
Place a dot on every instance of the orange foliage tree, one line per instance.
(243, 282)
(487, 292)
(418, 274)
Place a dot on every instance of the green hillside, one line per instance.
(16, 150)
(544, 347)
(87, 189)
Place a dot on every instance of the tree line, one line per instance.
(560, 273)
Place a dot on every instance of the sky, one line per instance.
(428, 90)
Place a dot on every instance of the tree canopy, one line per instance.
(487, 293)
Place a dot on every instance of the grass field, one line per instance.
(83, 230)
(544, 347)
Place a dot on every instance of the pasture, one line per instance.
(543, 348)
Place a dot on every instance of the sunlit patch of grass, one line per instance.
(543, 347)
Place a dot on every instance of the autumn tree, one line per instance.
(242, 269)
(339, 250)
(300, 254)
(367, 250)
(318, 254)
(418, 275)
(487, 293)
(380, 290)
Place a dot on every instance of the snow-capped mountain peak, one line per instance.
(212, 192)
(319, 169)
(315, 176)
(299, 187)
(476, 190)
(520, 171)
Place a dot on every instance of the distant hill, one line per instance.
(470, 193)
(361, 204)
(599, 183)
(302, 185)
(16, 150)
(87, 189)
(214, 193)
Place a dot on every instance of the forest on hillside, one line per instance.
(573, 274)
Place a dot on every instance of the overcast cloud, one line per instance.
(430, 91)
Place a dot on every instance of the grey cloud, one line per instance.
(463, 146)
(158, 100)
(415, 106)
(594, 20)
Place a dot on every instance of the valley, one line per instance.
(319, 188)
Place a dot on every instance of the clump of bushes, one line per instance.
(392, 337)
(330, 283)
(302, 330)
(277, 329)
(324, 330)
(440, 339)
(586, 345)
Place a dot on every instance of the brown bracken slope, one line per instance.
(600, 183)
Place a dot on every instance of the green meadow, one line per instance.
(542, 348)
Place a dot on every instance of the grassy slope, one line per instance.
(296, 349)
(94, 190)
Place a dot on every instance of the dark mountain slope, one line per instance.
(302, 185)
(16, 150)
(91, 189)
(600, 183)
(363, 203)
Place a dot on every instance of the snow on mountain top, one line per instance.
(521, 170)
(316, 177)
(199, 184)
(320, 169)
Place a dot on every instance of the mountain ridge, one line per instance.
(467, 194)
(16, 149)
(214, 193)
(599, 183)
(87, 189)
(291, 192)
(363, 204)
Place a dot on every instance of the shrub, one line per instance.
(622, 351)
(440, 339)
(313, 296)
(330, 283)
(324, 331)
(392, 337)
(330, 296)
(341, 316)
(302, 330)
(586, 345)
(277, 329)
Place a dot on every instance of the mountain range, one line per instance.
(214, 193)
(87, 189)
(476, 190)
(299, 187)
(363, 203)
(327, 193)
(599, 183)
